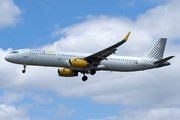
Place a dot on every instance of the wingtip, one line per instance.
(172, 56)
(126, 38)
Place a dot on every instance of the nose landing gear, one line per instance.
(24, 70)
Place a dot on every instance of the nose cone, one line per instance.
(7, 58)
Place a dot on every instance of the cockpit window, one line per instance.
(14, 52)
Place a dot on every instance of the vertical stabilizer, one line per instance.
(157, 51)
(154, 58)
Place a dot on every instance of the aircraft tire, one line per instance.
(92, 72)
(84, 78)
(23, 71)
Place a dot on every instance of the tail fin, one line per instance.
(157, 51)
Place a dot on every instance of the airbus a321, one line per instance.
(73, 63)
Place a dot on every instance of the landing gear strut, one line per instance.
(84, 78)
(24, 70)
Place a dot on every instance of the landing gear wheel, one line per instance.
(92, 72)
(84, 78)
(23, 71)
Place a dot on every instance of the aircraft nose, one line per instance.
(7, 58)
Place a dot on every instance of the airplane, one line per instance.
(74, 63)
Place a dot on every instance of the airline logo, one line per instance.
(50, 52)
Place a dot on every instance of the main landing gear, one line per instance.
(92, 72)
(84, 78)
(24, 70)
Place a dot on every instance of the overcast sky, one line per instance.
(89, 26)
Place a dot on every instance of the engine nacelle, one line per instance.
(78, 63)
(67, 72)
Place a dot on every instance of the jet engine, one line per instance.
(78, 63)
(67, 72)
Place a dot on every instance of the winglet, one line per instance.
(127, 36)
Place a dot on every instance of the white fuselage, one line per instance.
(74, 63)
(61, 59)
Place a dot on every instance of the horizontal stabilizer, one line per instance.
(163, 60)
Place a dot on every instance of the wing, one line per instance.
(96, 58)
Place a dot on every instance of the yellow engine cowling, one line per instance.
(78, 63)
(67, 72)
